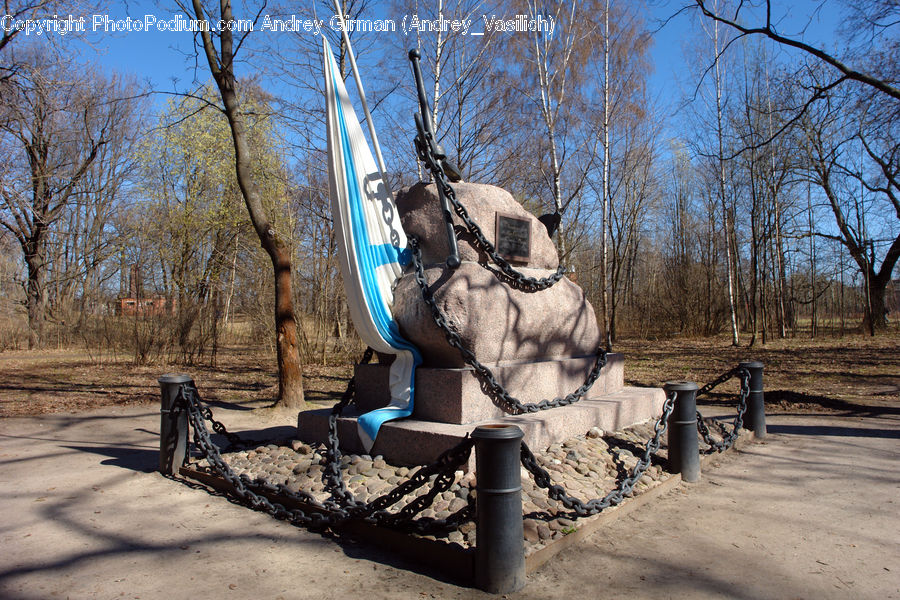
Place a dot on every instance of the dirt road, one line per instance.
(810, 513)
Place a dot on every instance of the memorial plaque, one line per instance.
(513, 235)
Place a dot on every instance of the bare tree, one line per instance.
(221, 65)
(624, 126)
(875, 53)
(856, 164)
(718, 45)
(888, 10)
(54, 130)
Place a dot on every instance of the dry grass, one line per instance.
(33, 383)
(800, 374)
(847, 374)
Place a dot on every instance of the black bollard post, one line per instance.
(755, 418)
(173, 424)
(684, 449)
(500, 545)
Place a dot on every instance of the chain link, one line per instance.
(242, 486)
(234, 441)
(513, 277)
(493, 388)
(717, 381)
(625, 487)
(339, 507)
(729, 438)
(331, 473)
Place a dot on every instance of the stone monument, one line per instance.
(539, 345)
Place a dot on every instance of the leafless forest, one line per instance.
(146, 226)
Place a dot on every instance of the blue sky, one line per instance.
(161, 56)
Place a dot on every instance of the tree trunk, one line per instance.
(875, 318)
(607, 314)
(721, 159)
(35, 294)
(290, 369)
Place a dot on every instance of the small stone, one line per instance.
(467, 527)
(531, 531)
(442, 514)
(379, 463)
(296, 445)
(456, 504)
(544, 532)
(376, 485)
(386, 473)
(456, 537)
(595, 432)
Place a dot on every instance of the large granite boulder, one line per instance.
(420, 214)
(497, 322)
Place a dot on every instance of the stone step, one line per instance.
(455, 396)
(413, 441)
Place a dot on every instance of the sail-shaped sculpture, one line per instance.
(371, 246)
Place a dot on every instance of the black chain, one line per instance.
(729, 438)
(516, 278)
(717, 381)
(339, 508)
(494, 388)
(519, 280)
(233, 440)
(317, 519)
(331, 474)
(443, 473)
(592, 507)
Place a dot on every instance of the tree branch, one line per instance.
(849, 72)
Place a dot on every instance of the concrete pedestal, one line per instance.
(450, 404)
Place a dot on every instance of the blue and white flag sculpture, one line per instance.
(372, 246)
